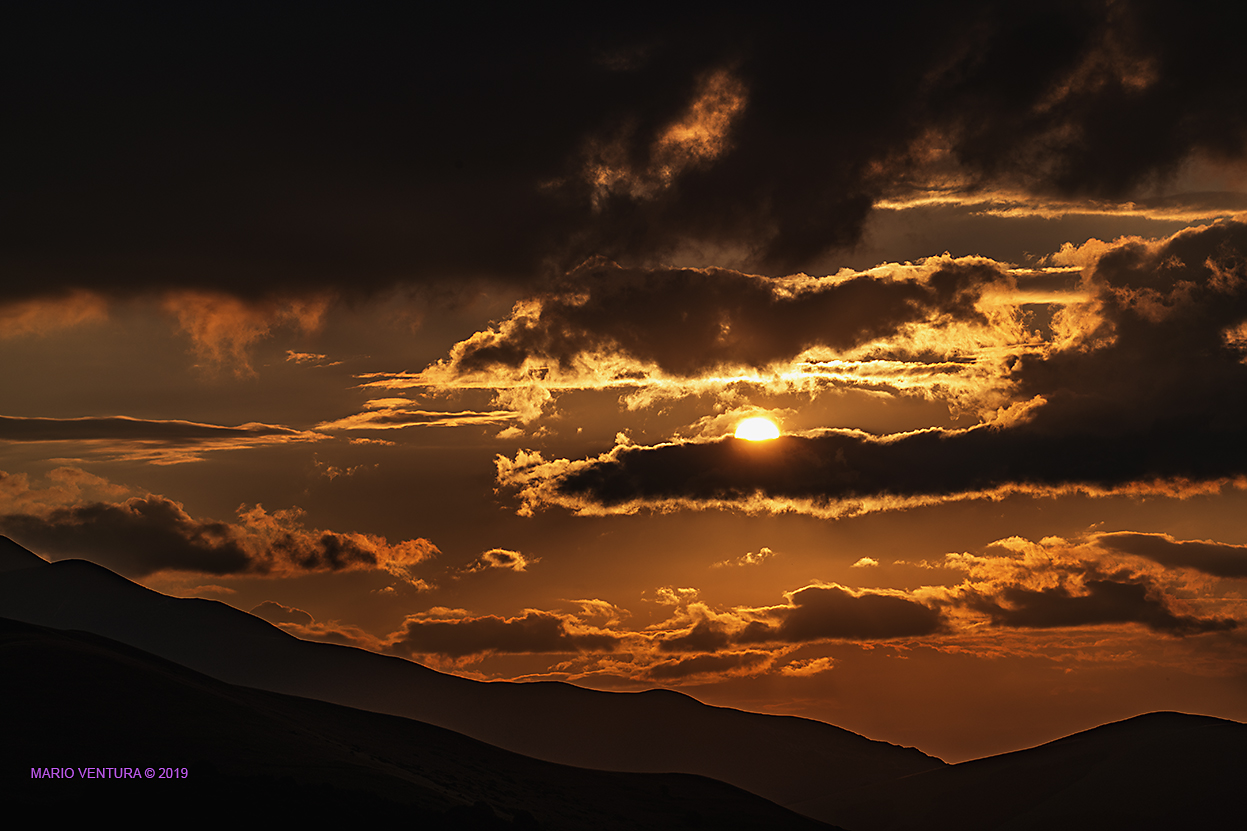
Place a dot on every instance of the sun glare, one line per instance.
(757, 429)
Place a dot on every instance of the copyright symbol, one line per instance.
(149, 773)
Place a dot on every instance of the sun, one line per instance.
(757, 429)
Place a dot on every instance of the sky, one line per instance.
(431, 336)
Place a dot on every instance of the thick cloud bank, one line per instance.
(1147, 389)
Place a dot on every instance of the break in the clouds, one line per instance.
(147, 534)
(1144, 386)
(148, 440)
(258, 164)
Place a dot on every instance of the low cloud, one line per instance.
(153, 441)
(1101, 601)
(720, 665)
(533, 632)
(1215, 558)
(400, 413)
(147, 534)
(275, 612)
(1058, 583)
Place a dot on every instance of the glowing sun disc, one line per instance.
(757, 429)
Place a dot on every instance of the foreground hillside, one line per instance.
(783, 759)
(80, 701)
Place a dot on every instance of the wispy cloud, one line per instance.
(155, 441)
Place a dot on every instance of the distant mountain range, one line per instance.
(1149, 771)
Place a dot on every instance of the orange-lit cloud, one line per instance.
(223, 328)
(147, 534)
(160, 442)
(1141, 390)
(502, 558)
(400, 413)
(42, 315)
(533, 632)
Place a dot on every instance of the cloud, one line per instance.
(222, 328)
(400, 413)
(747, 559)
(684, 323)
(1103, 601)
(501, 558)
(1059, 583)
(715, 133)
(41, 315)
(729, 664)
(147, 534)
(821, 612)
(533, 632)
(275, 612)
(1143, 388)
(312, 358)
(154, 441)
(1216, 558)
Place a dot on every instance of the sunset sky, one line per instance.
(431, 336)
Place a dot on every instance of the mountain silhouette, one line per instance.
(785, 759)
(94, 725)
(1154, 771)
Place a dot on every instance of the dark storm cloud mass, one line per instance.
(1216, 558)
(534, 632)
(1153, 390)
(687, 321)
(148, 534)
(261, 151)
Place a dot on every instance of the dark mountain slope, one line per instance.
(784, 759)
(1160, 770)
(76, 700)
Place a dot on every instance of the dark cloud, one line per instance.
(148, 534)
(129, 429)
(534, 632)
(1105, 601)
(687, 321)
(813, 613)
(1152, 387)
(708, 664)
(1215, 558)
(275, 612)
(820, 612)
(239, 149)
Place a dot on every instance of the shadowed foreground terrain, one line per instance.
(781, 758)
(79, 700)
(1159, 770)
(83, 697)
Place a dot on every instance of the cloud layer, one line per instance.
(146, 534)
(257, 163)
(1143, 386)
